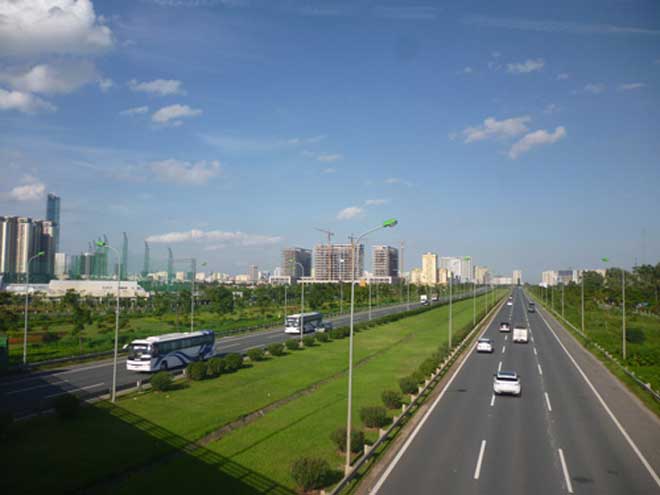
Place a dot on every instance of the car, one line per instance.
(485, 344)
(520, 334)
(506, 382)
(326, 326)
(509, 303)
(531, 308)
(505, 327)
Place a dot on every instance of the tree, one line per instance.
(221, 299)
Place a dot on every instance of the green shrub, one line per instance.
(418, 376)
(6, 419)
(49, 337)
(293, 344)
(308, 340)
(428, 366)
(339, 333)
(256, 354)
(323, 337)
(408, 385)
(276, 349)
(374, 416)
(392, 399)
(67, 406)
(310, 473)
(196, 370)
(215, 366)
(233, 362)
(338, 437)
(161, 381)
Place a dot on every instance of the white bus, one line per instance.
(310, 322)
(170, 350)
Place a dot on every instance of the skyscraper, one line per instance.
(385, 261)
(253, 273)
(333, 262)
(293, 255)
(53, 215)
(430, 268)
(517, 277)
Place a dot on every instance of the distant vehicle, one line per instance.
(506, 382)
(310, 322)
(424, 299)
(485, 344)
(531, 308)
(434, 298)
(326, 326)
(505, 327)
(520, 334)
(509, 302)
(170, 350)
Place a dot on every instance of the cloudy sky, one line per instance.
(226, 129)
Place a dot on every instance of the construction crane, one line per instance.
(329, 234)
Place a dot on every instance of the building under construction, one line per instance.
(334, 262)
(385, 261)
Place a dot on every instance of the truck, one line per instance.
(520, 334)
(423, 299)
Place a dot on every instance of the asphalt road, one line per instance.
(560, 436)
(27, 394)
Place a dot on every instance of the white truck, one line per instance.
(423, 299)
(520, 334)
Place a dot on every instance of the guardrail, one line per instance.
(631, 374)
(415, 401)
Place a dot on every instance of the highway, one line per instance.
(29, 393)
(574, 429)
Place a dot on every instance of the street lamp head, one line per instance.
(101, 244)
(390, 223)
(41, 253)
(605, 260)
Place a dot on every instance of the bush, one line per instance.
(49, 337)
(323, 337)
(310, 473)
(256, 354)
(161, 381)
(339, 333)
(196, 370)
(428, 366)
(308, 340)
(418, 376)
(67, 406)
(6, 419)
(374, 416)
(338, 437)
(276, 349)
(392, 399)
(233, 362)
(408, 385)
(293, 344)
(215, 366)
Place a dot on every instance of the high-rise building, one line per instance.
(461, 267)
(8, 233)
(60, 267)
(517, 277)
(291, 256)
(53, 215)
(443, 276)
(21, 239)
(429, 268)
(253, 273)
(481, 274)
(334, 262)
(385, 261)
(416, 276)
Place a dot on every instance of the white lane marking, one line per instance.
(499, 366)
(547, 401)
(506, 337)
(569, 486)
(21, 390)
(540, 370)
(535, 353)
(417, 429)
(630, 441)
(477, 469)
(492, 401)
(503, 349)
(74, 390)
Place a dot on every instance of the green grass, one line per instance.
(107, 439)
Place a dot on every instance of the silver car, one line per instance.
(506, 382)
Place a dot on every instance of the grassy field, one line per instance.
(107, 440)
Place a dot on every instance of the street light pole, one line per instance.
(302, 297)
(562, 300)
(370, 299)
(451, 276)
(623, 308)
(474, 303)
(27, 299)
(408, 305)
(582, 300)
(386, 224)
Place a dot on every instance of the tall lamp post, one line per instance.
(582, 300)
(623, 309)
(114, 363)
(27, 299)
(386, 224)
(451, 283)
(302, 296)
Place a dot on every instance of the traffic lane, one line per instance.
(598, 458)
(461, 418)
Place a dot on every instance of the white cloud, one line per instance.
(159, 87)
(329, 158)
(536, 138)
(135, 111)
(594, 88)
(34, 27)
(562, 77)
(63, 77)
(32, 190)
(526, 67)
(349, 213)
(182, 172)
(407, 12)
(233, 238)
(105, 84)
(493, 128)
(467, 70)
(329, 170)
(173, 113)
(550, 108)
(375, 202)
(631, 86)
(393, 180)
(23, 102)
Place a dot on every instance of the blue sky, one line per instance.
(526, 137)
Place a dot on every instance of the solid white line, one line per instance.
(503, 348)
(547, 401)
(477, 469)
(492, 400)
(569, 486)
(535, 353)
(540, 370)
(632, 444)
(417, 429)
(74, 390)
(499, 366)
(506, 337)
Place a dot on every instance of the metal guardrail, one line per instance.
(631, 374)
(416, 400)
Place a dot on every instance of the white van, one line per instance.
(520, 334)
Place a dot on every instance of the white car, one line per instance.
(509, 303)
(520, 334)
(505, 327)
(485, 345)
(506, 382)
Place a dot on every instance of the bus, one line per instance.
(310, 322)
(170, 350)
